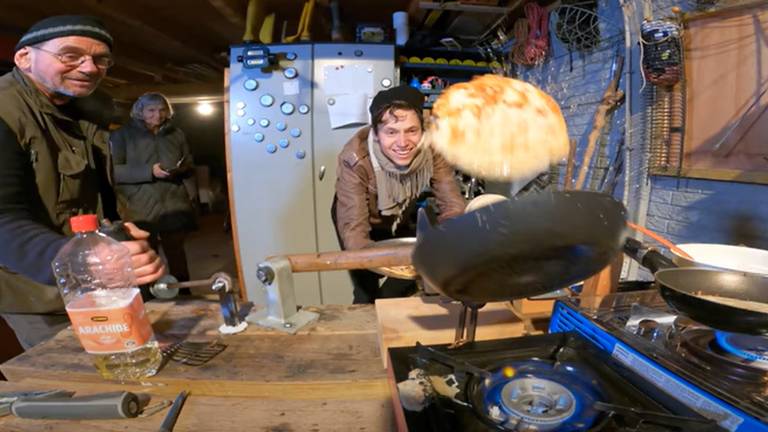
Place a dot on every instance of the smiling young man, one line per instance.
(381, 171)
(52, 166)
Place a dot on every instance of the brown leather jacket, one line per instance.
(356, 207)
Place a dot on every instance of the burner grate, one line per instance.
(537, 395)
(701, 346)
(751, 348)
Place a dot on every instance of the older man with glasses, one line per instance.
(53, 164)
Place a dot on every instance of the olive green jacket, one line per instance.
(66, 161)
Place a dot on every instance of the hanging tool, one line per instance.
(305, 34)
(302, 30)
(250, 17)
(569, 165)
(336, 32)
(267, 29)
(612, 97)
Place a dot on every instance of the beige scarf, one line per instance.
(397, 186)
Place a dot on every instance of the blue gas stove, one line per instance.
(721, 376)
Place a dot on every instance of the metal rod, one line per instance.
(472, 328)
(458, 338)
(170, 419)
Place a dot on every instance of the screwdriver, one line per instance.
(170, 419)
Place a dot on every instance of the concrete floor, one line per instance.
(210, 249)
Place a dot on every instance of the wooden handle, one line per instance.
(389, 256)
(570, 164)
(660, 239)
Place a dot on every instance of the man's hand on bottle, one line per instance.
(147, 264)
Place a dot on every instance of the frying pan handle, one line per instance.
(426, 219)
(648, 257)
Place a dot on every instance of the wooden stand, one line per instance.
(405, 321)
(533, 313)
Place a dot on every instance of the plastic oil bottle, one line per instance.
(95, 277)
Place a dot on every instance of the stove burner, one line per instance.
(751, 348)
(537, 401)
(702, 346)
(539, 396)
(648, 329)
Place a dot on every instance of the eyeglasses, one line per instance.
(74, 60)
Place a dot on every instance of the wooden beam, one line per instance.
(158, 73)
(460, 7)
(226, 10)
(158, 36)
(206, 90)
(724, 10)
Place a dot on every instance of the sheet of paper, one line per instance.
(348, 109)
(348, 79)
(290, 88)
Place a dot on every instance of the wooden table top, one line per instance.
(328, 376)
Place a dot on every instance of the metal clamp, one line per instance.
(281, 311)
(222, 285)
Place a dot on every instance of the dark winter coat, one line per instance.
(158, 204)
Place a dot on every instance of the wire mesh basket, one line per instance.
(577, 26)
(661, 52)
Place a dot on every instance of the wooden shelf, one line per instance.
(438, 66)
(460, 7)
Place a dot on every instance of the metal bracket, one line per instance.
(466, 333)
(281, 312)
(222, 285)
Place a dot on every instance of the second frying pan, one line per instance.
(724, 300)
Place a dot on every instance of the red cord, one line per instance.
(538, 37)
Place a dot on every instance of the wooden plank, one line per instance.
(606, 281)
(718, 174)
(405, 321)
(207, 413)
(459, 7)
(338, 355)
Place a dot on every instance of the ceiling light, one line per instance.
(204, 108)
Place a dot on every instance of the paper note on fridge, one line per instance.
(348, 109)
(347, 79)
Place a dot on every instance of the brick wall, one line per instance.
(577, 81)
(691, 210)
(685, 210)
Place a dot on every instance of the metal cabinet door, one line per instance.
(369, 68)
(270, 163)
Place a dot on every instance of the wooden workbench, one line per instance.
(328, 377)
